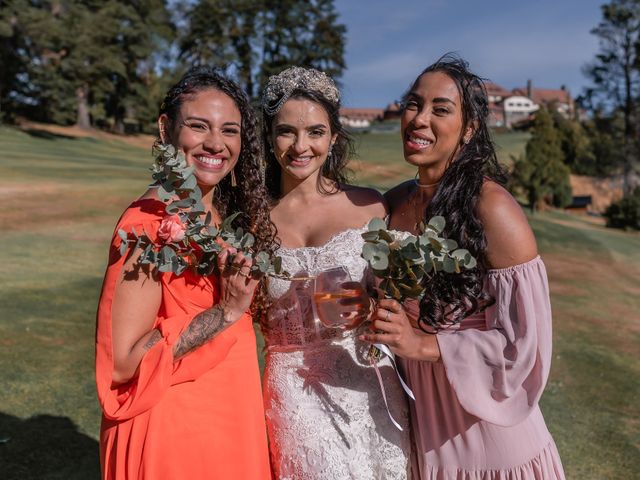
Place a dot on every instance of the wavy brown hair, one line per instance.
(334, 168)
(249, 197)
(449, 298)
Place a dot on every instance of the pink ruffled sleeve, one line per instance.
(157, 370)
(499, 372)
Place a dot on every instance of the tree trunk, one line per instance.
(83, 119)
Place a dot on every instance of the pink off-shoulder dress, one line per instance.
(476, 414)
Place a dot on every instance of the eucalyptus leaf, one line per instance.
(384, 235)
(438, 223)
(368, 250)
(247, 241)
(185, 202)
(226, 223)
(379, 262)
(449, 244)
(376, 224)
(449, 265)
(277, 264)
(370, 236)
(172, 209)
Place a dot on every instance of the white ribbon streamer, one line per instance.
(384, 349)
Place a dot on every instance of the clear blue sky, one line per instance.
(508, 42)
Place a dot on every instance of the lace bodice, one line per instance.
(292, 322)
(325, 413)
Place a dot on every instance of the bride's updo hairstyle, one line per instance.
(318, 87)
(451, 297)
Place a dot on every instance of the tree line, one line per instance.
(107, 63)
(608, 141)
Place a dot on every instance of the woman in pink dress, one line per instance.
(476, 351)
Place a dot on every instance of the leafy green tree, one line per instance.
(253, 39)
(85, 61)
(303, 33)
(222, 33)
(606, 136)
(615, 73)
(142, 30)
(625, 213)
(576, 145)
(11, 65)
(541, 173)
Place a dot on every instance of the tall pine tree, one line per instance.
(222, 33)
(142, 29)
(541, 174)
(615, 74)
(302, 33)
(253, 39)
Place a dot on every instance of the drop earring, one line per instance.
(234, 183)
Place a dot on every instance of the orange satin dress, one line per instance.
(200, 417)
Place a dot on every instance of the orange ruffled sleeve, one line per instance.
(157, 370)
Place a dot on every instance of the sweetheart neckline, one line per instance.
(332, 239)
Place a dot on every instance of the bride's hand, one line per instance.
(392, 328)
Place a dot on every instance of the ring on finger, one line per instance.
(243, 274)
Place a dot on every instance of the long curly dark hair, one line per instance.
(334, 168)
(249, 197)
(451, 297)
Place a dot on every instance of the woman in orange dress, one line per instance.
(176, 365)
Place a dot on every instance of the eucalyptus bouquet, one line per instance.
(188, 239)
(406, 263)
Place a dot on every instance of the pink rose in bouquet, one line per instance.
(172, 229)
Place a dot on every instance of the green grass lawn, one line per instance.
(60, 199)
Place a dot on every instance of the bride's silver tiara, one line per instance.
(280, 87)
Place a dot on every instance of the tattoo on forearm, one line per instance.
(154, 338)
(202, 328)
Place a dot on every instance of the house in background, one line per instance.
(517, 108)
(496, 95)
(360, 117)
(507, 108)
(552, 99)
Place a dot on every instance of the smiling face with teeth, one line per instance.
(301, 137)
(208, 132)
(432, 124)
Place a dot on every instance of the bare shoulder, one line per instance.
(370, 200)
(398, 194)
(510, 240)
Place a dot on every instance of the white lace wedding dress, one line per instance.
(325, 413)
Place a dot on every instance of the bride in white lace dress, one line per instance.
(325, 411)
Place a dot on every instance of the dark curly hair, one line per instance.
(451, 297)
(334, 168)
(249, 197)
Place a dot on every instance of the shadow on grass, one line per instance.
(46, 447)
(34, 132)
